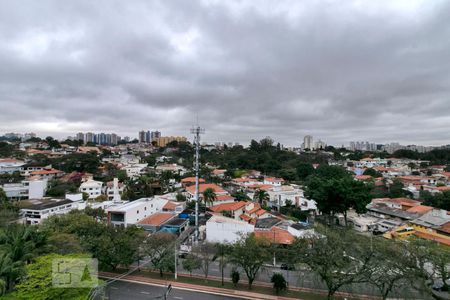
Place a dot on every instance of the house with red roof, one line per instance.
(222, 196)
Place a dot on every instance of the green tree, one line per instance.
(159, 247)
(339, 257)
(388, 269)
(279, 283)
(204, 253)
(261, 196)
(191, 263)
(250, 253)
(52, 143)
(38, 285)
(338, 195)
(209, 196)
(396, 189)
(304, 170)
(222, 251)
(372, 172)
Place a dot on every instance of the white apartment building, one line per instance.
(132, 212)
(92, 187)
(308, 142)
(33, 188)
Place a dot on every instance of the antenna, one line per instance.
(197, 131)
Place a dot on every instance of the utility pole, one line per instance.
(197, 131)
(176, 262)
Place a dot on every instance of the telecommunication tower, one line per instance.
(197, 131)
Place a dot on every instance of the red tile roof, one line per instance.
(156, 219)
(45, 172)
(443, 188)
(203, 187)
(274, 179)
(420, 209)
(445, 228)
(276, 236)
(245, 217)
(255, 208)
(191, 180)
(224, 198)
(170, 205)
(228, 206)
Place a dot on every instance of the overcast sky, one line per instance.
(337, 70)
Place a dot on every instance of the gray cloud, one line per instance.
(341, 71)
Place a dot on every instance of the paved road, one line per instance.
(122, 290)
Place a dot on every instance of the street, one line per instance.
(122, 290)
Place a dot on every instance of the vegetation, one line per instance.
(160, 250)
(439, 200)
(279, 283)
(250, 253)
(209, 196)
(335, 191)
(39, 286)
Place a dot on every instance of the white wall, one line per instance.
(222, 232)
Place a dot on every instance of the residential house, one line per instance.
(132, 212)
(10, 165)
(91, 187)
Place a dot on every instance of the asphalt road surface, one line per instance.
(122, 290)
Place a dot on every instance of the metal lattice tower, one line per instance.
(197, 131)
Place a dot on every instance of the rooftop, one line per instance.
(267, 223)
(228, 206)
(276, 235)
(203, 187)
(47, 204)
(156, 219)
(176, 222)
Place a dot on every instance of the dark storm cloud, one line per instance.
(341, 71)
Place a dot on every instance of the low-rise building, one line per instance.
(91, 187)
(32, 188)
(10, 165)
(35, 213)
(220, 229)
(132, 212)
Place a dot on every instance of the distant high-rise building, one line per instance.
(141, 136)
(80, 136)
(114, 139)
(89, 137)
(308, 142)
(155, 135)
(126, 139)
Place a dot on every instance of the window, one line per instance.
(137, 211)
(145, 208)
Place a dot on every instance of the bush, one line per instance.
(279, 283)
(235, 277)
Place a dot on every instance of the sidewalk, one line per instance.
(195, 287)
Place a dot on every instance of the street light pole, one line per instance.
(176, 262)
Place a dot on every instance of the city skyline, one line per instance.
(284, 69)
